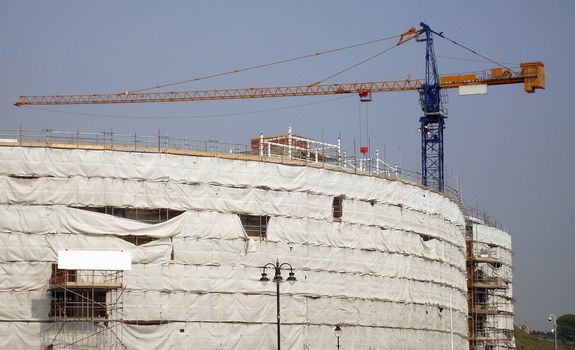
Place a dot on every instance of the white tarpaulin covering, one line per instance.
(45, 162)
(392, 271)
(492, 235)
(97, 192)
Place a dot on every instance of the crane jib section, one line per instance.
(224, 94)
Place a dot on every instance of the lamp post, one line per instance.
(553, 318)
(337, 332)
(278, 279)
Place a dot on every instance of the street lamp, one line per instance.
(337, 332)
(553, 318)
(278, 279)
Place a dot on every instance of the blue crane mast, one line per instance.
(433, 119)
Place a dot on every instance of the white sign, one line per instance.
(473, 89)
(94, 260)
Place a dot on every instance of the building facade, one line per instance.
(383, 258)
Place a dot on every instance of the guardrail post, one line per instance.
(289, 142)
(339, 151)
(377, 161)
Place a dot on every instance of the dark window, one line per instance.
(469, 231)
(255, 226)
(337, 208)
(26, 177)
(138, 240)
(425, 237)
(150, 216)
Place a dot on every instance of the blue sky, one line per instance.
(513, 151)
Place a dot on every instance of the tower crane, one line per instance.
(432, 123)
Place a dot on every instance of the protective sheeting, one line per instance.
(392, 272)
(355, 312)
(54, 219)
(212, 307)
(222, 279)
(24, 306)
(18, 276)
(141, 194)
(317, 258)
(396, 217)
(57, 219)
(313, 232)
(45, 247)
(491, 235)
(124, 193)
(209, 336)
(213, 279)
(46, 162)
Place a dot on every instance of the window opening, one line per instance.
(337, 208)
(255, 226)
(469, 231)
(425, 237)
(139, 240)
(149, 216)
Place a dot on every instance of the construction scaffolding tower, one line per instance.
(86, 309)
(488, 302)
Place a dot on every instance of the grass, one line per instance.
(525, 341)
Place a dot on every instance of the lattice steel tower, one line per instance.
(433, 120)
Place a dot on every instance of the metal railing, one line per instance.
(117, 141)
(483, 216)
(86, 277)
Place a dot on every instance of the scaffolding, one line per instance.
(85, 309)
(488, 300)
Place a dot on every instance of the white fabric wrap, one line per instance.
(392, 270)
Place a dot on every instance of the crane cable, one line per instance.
(353, 66)
(473, 60)
(404, 37)
(267, 64)
(474, 52)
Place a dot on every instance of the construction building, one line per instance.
(395, 264)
